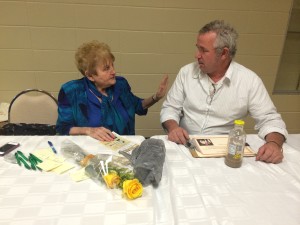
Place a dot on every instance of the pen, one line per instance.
(52, 147)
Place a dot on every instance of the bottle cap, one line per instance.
(239, 122)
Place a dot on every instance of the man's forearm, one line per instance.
(170, 125)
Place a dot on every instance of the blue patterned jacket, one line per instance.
(78, 106)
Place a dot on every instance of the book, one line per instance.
(213, 146)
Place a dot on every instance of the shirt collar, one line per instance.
(229, 73)
(227, 77)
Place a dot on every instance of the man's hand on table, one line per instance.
(175, 132)
(178, 135)
(270, 153)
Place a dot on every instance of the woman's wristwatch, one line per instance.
(154, 98)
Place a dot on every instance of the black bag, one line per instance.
(28, 129)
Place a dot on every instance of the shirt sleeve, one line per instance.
(173, 105)
(263, 111)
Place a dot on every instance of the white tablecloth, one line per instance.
(43, 198)
(294, 141)
(206, 191)
(192, 191)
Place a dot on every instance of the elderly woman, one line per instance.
(100, 102)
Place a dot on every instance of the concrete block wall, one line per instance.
(149, 38)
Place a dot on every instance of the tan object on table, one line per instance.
(213, 146)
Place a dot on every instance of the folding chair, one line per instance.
(33, 106)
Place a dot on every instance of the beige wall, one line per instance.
(288, 76)
(149, 39)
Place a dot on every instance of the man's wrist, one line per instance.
(274, 142)
(275, 138)
(169, 125)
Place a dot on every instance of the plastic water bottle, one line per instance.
(235, 145)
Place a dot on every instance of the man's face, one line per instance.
(206, 54)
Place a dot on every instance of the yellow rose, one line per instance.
(112, 180)
(132, 188)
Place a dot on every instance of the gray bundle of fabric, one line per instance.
(148, 160)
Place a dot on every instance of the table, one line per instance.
(205, 191)
(294, 141)
(33, 198)
(192, 191)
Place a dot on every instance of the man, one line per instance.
(209, 94)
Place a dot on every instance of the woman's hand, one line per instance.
(100, 133)
(162, 89)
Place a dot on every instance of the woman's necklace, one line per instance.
(100, 100)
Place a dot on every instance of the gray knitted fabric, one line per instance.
(148, 160)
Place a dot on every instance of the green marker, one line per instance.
(24, 163)
(33, 163)
(35, 158)
(17, 158)
(22, 155)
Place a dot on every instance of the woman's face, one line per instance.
(105, 76)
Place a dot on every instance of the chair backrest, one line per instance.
(33, 106)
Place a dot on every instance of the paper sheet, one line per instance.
(48, 165)
(120, 144)
(64, 167)
(52, 162)
(44, 153)
(79, 175)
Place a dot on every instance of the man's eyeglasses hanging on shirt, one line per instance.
(212, 92)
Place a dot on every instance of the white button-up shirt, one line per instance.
(200, 109)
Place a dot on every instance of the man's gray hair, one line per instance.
(226, 36)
